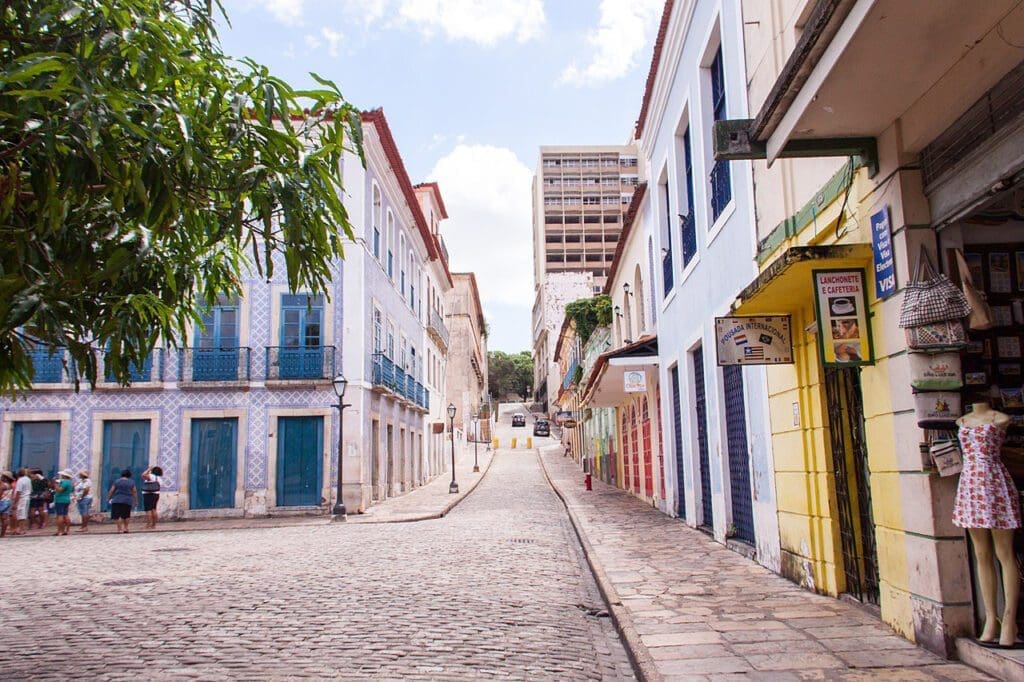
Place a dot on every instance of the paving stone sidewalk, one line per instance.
(690, 609)
(430, 501)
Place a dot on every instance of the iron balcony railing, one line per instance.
(291, 362)
(688, 230)
(667, 272)
(721, 188)
(213, 364)
(149, 371)
(403, 384)
(48, 366)
(436, 325)
(570, 373)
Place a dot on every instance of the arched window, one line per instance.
(639, 293)
(390, 265)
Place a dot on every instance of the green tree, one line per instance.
(142, 171)
(509, 374)
(589, 314)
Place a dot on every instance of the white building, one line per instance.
(699, 222)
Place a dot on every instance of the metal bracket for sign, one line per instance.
(733, 143)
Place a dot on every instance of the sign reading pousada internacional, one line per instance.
(754, 340)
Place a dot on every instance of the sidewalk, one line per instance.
(690, 609)
(426, 502)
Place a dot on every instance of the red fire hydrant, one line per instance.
(586, 481)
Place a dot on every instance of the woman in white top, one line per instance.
(83, 498)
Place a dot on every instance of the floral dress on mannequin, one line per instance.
(986, 496)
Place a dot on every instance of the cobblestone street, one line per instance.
(494, 590)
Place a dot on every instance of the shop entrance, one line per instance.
(852, 478)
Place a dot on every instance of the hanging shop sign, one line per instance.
(885, 262)
(635, 381)
(562, 416)
(754, 340)
(844, 337)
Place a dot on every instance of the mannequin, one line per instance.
(992, 524)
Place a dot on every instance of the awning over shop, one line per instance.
(786, 283)
(606, 387)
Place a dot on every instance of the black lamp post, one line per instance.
(454, 487)
(340, 383)
(476, 437)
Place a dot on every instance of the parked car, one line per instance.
(542, 427)
(519, 419)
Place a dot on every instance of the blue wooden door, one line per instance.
(739, 453)
(300, 443)
(212, 464)
(700, 403)
(36, 445)
(301, 356)
(125, 446)
(677, 422)
(216, 353)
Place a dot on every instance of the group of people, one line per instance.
(27, 498)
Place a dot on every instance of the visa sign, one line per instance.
(885, 262)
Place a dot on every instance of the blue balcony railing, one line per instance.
(47, 367)
(667, 272)
(570, 373)
(149, 371)
(392, 377)
(214, 364)
(721, 188)
(300, 363)
(688, 233)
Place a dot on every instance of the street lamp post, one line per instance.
(476, 437)
(454, 487)
(340, 383)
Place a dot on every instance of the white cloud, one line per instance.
(485, 22)
(623, 30)
(489, 231)
(333, 39)
(287, 12)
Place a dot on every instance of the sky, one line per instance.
(471, 90)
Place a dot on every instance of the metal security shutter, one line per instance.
(707, 511)
(739, 454)
(677, 418)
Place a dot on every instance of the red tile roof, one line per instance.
(627, 229)
(437, 195)
(387, 140)
(659, 43)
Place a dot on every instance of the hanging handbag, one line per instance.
(935, 371)
(948, 334)
(946, 456)
(935, 299)
(981, 314)
(937, 408)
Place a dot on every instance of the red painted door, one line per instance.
(625, 450)
(661, 447)
(645, 424)
(634, 418)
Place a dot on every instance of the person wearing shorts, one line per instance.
(151, 481)
(123, 497)
(83, 498)
(62, 501)
(6, 498)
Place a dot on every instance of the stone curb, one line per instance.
(451, 505)
(643, 663)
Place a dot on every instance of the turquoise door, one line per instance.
(216, 353)
(212, 470)
(36, 446)
(301, 356)
(125, 446)
(300, 443)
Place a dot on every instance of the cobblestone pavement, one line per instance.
(496, 589)
(691, 609)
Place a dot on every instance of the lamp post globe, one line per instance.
(340, 383)
(454, 487)
(476, 438)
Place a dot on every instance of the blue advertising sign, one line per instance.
(885, 263)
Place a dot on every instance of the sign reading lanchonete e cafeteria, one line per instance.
(756, 340)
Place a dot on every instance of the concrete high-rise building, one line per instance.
(580, 194)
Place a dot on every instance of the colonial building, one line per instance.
(242, 416)
(697, 216)
(915, 114)
(466, 383)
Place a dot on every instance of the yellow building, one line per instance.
(879, 127)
